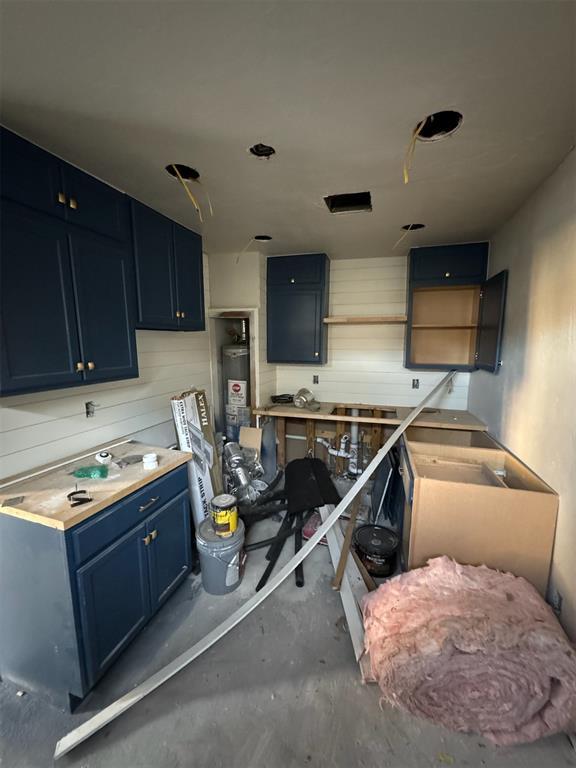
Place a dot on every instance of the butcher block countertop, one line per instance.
(440, 418)
(45, 495)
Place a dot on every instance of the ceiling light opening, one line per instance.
(187, 173)
(262, 150)
(350, 202)
(262, 238)
(439, 125)
(411, 227)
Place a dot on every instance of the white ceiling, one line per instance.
(123, 88)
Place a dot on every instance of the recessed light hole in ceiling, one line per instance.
(187, 173)
(439, 125)
(262, 150)
(411, 227)
(349, 202)
(262, 238)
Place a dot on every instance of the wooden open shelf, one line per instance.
(445, 326)
(366, 320)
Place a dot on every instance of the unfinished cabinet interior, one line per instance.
(471, 499)
(455, 315)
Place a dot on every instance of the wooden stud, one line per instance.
(310, 436)
(337, 581)
(340, 431)
(281, 441)
(376, 431)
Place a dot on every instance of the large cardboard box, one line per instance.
(195, 434)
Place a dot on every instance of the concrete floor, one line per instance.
(282, 690)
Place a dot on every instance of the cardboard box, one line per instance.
(195, 434)
(237, 392)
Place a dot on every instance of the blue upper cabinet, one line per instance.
(39, 341)
(35, 178)
(297, 302)
(464, 264)
(154, 264)
(189, 279)
(94, 205)
(30, 176)
(103, 280)
(169, 273)
(455, 316)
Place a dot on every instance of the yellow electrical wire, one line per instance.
(410, 149)
(190, 195)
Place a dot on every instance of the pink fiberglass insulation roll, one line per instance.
(472, 649)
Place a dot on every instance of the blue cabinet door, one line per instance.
(102, 273)
(462, 264)
(170, 554)
(39, 335)
(189, 279)
(94, 205)
(114, 600)
(491, 322)
(154, 264)
(30, 176)
(294, 320)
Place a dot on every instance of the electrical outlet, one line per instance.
(415, 383)
(90, 407)
(315, 379)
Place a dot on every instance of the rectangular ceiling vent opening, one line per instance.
(349, 202)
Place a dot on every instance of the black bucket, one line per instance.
(377, 547)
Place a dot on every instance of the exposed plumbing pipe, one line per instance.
(353, 460)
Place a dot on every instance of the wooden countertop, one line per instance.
(45, 496)
(440, 418)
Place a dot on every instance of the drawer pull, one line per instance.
(148, 504)
(146, 540)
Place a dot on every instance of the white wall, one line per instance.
(234, 280)
(44, 427)
(530, 404)
(365, 362)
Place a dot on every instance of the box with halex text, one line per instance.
(195, 434)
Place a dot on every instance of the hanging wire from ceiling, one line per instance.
(189, 193)
(410, 149)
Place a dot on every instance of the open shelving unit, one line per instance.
(366, 320)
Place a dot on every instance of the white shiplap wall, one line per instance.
(44, 427)
(365, 362)
(267, 372)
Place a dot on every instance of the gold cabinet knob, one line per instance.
(62, 198)
(79, 367)
(447, 274)
(177, 313)
(153, 534)
(73, 203)
(146, 540)
(182, 314)
(292, 280)
(91, 366)
(316, 354)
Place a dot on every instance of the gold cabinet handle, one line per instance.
(62, 198)
(91, 366)
(182, 314)
(73, 203)
(316, 354)
(79, 367)
(153, 534)
(146, 540)
(292, 280)
(177, 313)
(447, 274)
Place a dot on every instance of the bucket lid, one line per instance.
(224, 501)
(376, 540)
(207, 536)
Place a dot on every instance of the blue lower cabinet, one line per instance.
(114, 599)
(169, 552)
(73, 600)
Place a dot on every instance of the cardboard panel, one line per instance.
(503, 528)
